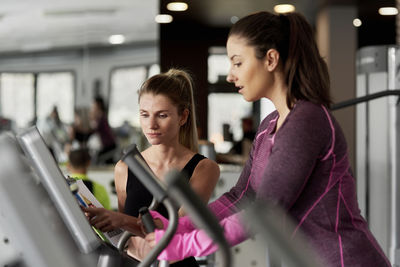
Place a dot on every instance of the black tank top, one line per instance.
(137, 196)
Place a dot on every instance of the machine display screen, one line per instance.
(54, 182)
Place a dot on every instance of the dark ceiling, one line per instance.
(376, 29)
(216, 14)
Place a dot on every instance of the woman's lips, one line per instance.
(153, 134)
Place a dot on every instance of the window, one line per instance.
(218, 65)
(55, 89)
(220, 113)
(18, 94)
(17, 98)
(153, 70)
(224, 122)
(123, 106)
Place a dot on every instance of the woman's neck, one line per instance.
(279, 99)
(164, 155)
(163, 158)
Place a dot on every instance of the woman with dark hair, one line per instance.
(100, 125)
(80, 131)
(168, 120)
(299, 159)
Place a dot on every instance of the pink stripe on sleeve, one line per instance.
(338, 206)
(333, 134)
(341, 251)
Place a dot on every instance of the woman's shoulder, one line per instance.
(308, 119)
(303, 107)
(306, 112)
(120, 166)
(206, 163)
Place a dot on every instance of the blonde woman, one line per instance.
(167, 118)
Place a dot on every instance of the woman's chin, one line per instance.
(248, 98)
(153, 141)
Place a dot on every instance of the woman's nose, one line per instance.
(153, 123)
(229, 78)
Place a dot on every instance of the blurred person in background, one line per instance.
(55, 134)
(77, 166)
(240, 151)
(80, 130)
(100, 126)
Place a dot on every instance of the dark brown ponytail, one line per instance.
(306, 72)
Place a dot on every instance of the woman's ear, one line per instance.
(272, 59)
(184, 117)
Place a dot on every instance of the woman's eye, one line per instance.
(144, 115)
(237, 64)
(163, 116)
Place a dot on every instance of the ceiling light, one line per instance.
(284, 8)
(116, 39)
(357, 22)
(388, 11)
(177, 6)
(163, 18)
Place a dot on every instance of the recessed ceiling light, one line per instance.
(163, 18)
(357, 22)
(284, 8)
(388, 11)
(116, 39)
(177, 6)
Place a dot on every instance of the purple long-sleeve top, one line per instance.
(303, 168)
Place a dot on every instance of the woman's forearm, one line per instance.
(130, 224)
(195, 242)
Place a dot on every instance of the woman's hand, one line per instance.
(138, 248)
(150, 240)
(157, 222)
(106, 220)
(145, 245)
